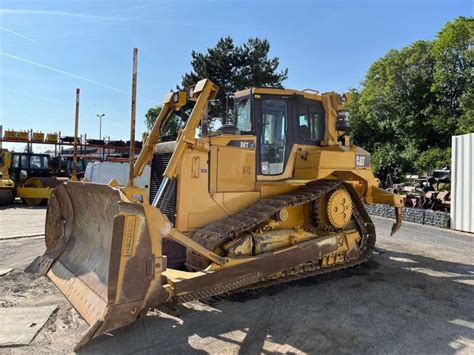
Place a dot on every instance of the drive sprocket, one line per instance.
(339, 208)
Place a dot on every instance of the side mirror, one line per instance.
(342, 122)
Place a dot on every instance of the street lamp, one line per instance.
(100, 124)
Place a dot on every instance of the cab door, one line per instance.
(232, 158)
(232, 164)
(19, 162)
(273, 115)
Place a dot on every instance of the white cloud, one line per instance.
(72, 75)
(18, 34)
(98, 17)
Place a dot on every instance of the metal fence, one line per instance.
(415, 215)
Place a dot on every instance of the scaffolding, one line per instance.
(86, 150)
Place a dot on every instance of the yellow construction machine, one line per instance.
(26, 175)
(277, 196)
(7, 186)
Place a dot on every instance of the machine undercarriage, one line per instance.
(267, 227)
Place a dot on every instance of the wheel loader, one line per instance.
(277, 196)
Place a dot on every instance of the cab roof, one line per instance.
(307, 93)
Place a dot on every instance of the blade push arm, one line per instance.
(173, 102)
(204, 91)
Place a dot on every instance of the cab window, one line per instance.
(24, 162)
(273, 136)
(38, 162)
(310, 123)
(243, 115)
(16, 161)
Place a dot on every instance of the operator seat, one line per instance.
(304, 133)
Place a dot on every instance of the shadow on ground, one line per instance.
(395, 303)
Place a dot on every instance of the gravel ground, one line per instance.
(414, 296)
(21, 221)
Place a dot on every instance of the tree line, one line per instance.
(414, 99)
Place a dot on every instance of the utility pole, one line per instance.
(100, 124)
(100, 133)
(131, 153)
(76, 129)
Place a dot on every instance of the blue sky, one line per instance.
(50, 47)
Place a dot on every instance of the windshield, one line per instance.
(242, 114)
(38, 162)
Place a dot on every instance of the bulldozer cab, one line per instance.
(272, 127)
(278, 121)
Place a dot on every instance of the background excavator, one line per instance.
(276, 197)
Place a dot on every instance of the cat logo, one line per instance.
(362, 160)
(244, 144)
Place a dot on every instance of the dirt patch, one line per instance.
(21, 221)
(20, 289)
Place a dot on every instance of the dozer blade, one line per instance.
(101, 256)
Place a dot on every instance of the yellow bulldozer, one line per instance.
(279, 195)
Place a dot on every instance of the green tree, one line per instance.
(453, 73)
(234, 68)
(434, 158)
(171, 127)
(466, 104)
(394, 106)
(151, 115)
(414, 99)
